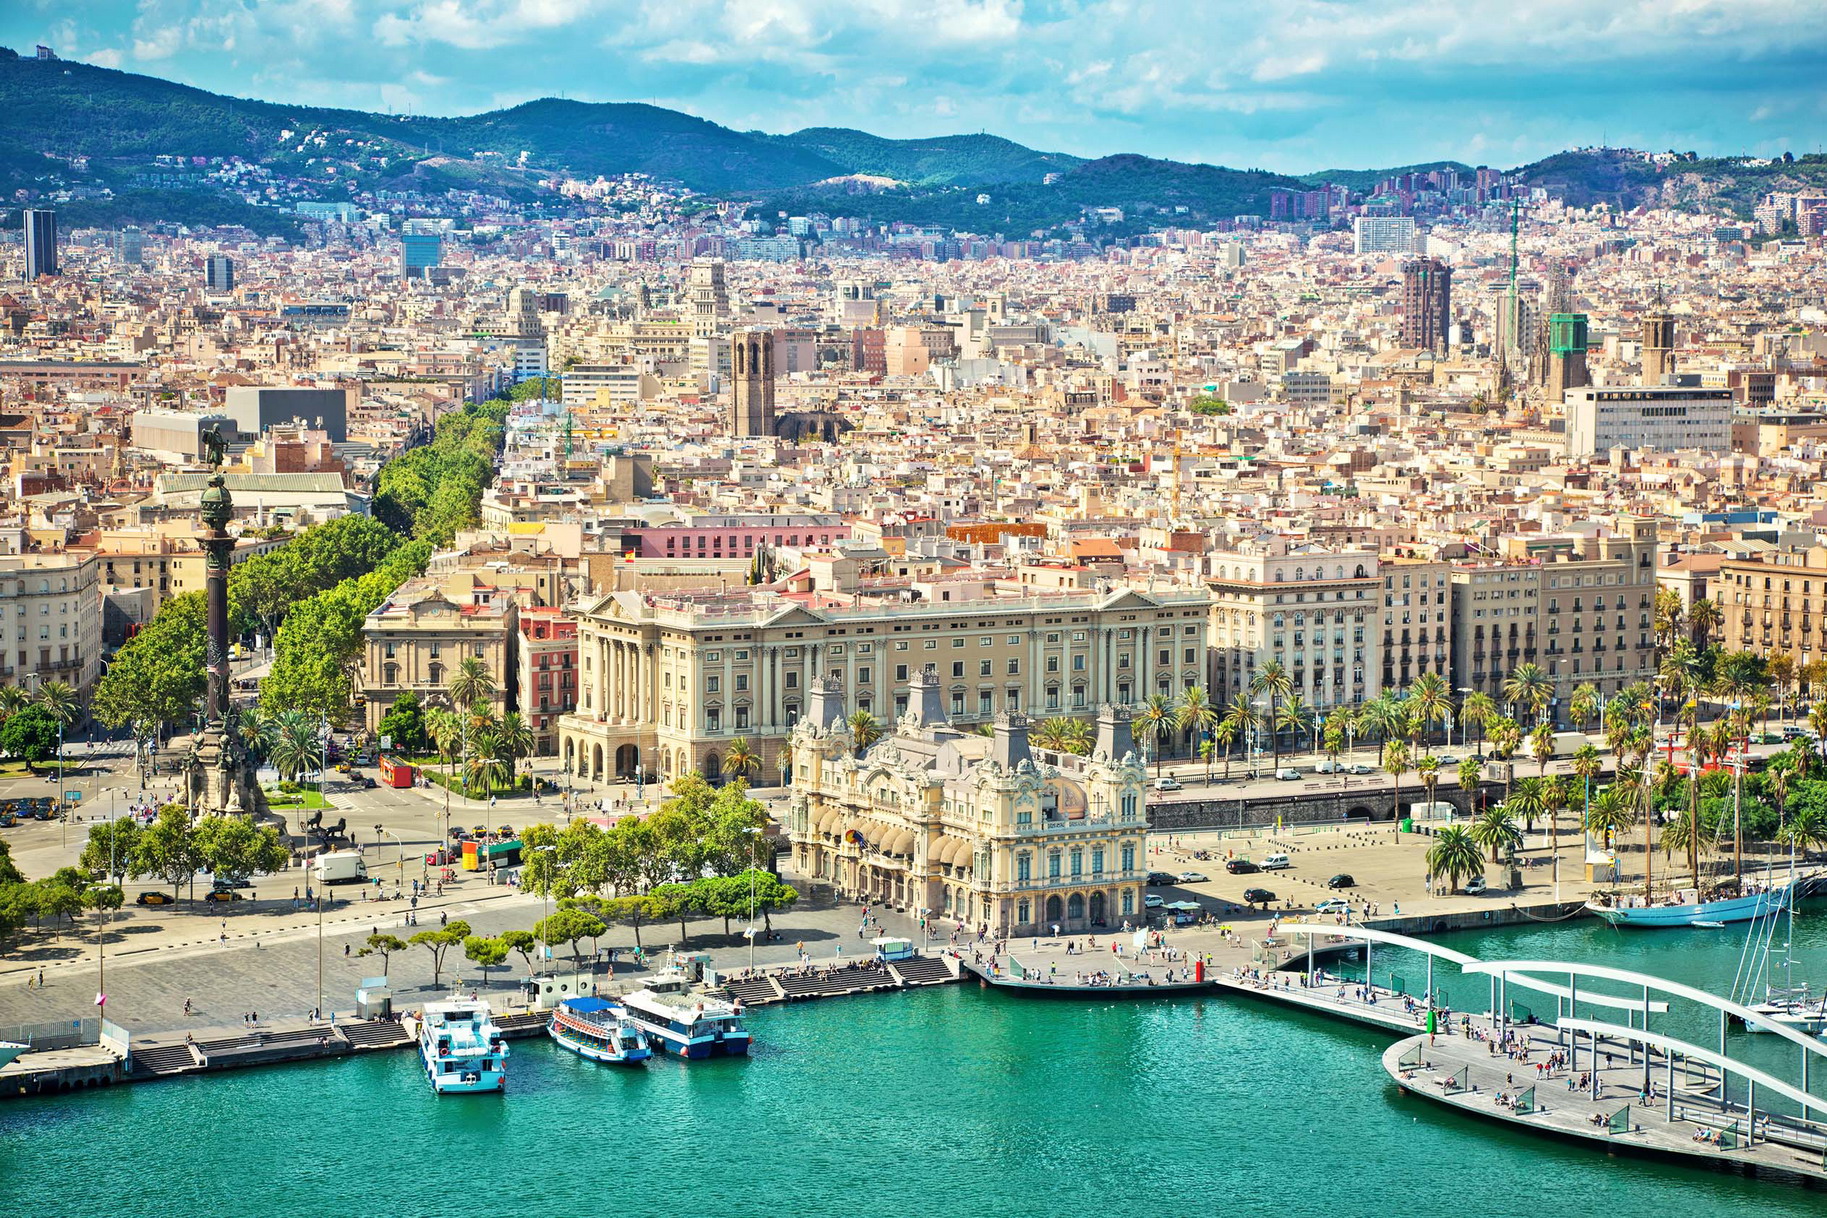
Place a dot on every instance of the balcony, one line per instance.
(57, 665)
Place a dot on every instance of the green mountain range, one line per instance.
(73, 124)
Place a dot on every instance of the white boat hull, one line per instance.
(12, 1051)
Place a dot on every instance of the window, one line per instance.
(742, 682)
(1024, 866)
(983, 668)
(862, 676)
(1129, 858)
(957, 668)
(1053, 865)
(900, 672)
(713, 720)
(742, 717)
(713, 684)
(1097, 862)
(1078, 863)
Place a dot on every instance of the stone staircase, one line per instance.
(163, 1061)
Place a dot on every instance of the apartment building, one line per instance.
(977, 829)
(1579, 605)
(50, 611)
(667, 681)
(547, 679)
(1417, 620)
(1311, 609)
(1775, 601)
(418, 636)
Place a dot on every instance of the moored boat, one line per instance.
(599, 1030)
(461, 1047)
(1687, 909)
(677, 1021)
(11, 1051)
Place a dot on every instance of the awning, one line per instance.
(901, 841)
(826, 821)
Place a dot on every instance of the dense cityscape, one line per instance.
(513, 600)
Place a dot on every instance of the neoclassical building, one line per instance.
(968, 826)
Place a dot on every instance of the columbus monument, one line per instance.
(220, 779)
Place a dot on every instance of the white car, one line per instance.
(1329, 766)
(1164, 783)
(1333, 905)
(1288, 773)
(1152, 901)
(1473, 886)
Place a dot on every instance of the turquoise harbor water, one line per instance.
(950, 1100)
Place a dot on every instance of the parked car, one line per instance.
(1158, 878)
(1342, 880)
(1241, 867)
(1361, 768)
(1329, 766)
(221, 896)
(153, 897)
(223, 882)
(1446, 759)
(1193, 877)
(1167, 783)
(1288, 774)
(1333, 905)
(1258, 896)
(1473, 886)
(1152, 901)
(1276, 862)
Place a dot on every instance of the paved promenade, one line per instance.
(1622, 1102)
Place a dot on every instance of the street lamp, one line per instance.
(754, 832)
(400, 862)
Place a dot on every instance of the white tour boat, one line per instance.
(687, 1024)
(461, 1047)
(598, 1029)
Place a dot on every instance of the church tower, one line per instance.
(752, 388)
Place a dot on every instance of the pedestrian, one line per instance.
(41, 976)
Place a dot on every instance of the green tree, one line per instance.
(1430, 700)
(383, 945)
(865, 730)
(1609, 813)
(513, 741)
(521, 943)
(438, 942)
(1529, 800)
(111, 848)
(485, 953)
(30, 734)
(404, 723)
(1240, 719)
(570, 926)
(471, 683)
(1583, 708)
(1529, 688)
(1454, 855)
(1470, 775)
(236, 846)
(158, 674)
(634, 911)
(1196, 716)
(1396, 764)
(1495, 829)
(1273, 679)
(679, 901)
(739, 760)
(1478, 710)
(168, 848)
(1154, 723)
(297, 743)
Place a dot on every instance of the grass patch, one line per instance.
(310, 801)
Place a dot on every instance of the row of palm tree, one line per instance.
(487, 747)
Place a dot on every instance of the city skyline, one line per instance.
(1373, 86)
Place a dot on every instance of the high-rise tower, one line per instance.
(1566, 354)
(1427, 303)
(1658, 347)
(708, 296)
(752, 389)
(40, 243)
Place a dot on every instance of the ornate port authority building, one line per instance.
(967, 826)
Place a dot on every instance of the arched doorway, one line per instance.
(1053, 909)
(1075, 907)
(570, 755)
(627, 760)
(596, 762)
(1097, 909)
(713, 769)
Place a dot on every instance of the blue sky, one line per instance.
(1289, 85)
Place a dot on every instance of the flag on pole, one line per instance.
(101, 1000)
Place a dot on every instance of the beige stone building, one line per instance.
(1775, 602)
(667, 681)
(50, 616)
(949, 822)
(1312, 609)
(418, 636)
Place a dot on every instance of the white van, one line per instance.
(1275, 862)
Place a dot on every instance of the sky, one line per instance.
(1287, 85)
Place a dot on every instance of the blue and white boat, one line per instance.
(689, 1025)
(1686, 908)
(461, 1047)
(599, 1030)
(11, 1051)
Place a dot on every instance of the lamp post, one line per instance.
(754, 832)
(400, 862)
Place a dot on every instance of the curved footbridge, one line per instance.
(1627, 1086)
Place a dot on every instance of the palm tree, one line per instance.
(1471, 776)
(1529, 688)
(1296, 717)
(59, 700)
(485, 770)
(1078, 737)
(1495, 830)
(1383, 714)
(515, 740)
(1541, 747)
(1049, 734)
(1608, 814)
(1273, 679)
(1454, 855)
(1395, 764)
(1782, 670)
(1506, 736)
(1682, 835)
(739, 761)
(1224, 734)
(1196, 715)
(1583, 708)
(257, 732)
(471, 683)
(1777, 775)
(1428, 771)
(1155, 723)
(1528, 801)
(12, 700)
(1704, 618)
(1806, 830)
(1586, 767)
(1240, 719)
(295, 743)
(865, 729)
(1430, 701)
(446, 731)
(1478, 710)
(1669, 618)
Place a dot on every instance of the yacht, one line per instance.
(461, 1047)
(1686, 908)
(690, 1025)
(11, 1051)
(598, 1029)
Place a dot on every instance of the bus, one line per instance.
(396, 773)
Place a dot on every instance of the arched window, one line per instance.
(435, 673)
(1300, 573)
